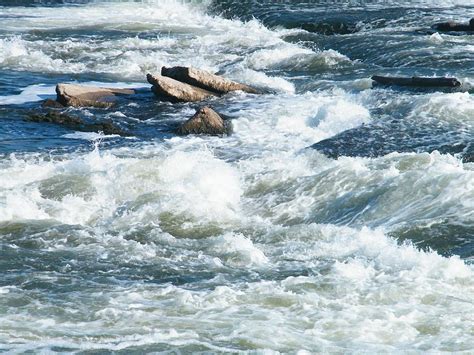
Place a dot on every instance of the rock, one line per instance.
(382, 137)
(205, 80)
(205, 121)
(76, 123)
(468, 158)
(330, 28)
(84, 96)
(175, 91)
(454, 27)
(417, 81)
(56, 118)
(106, 127)
(51, 103)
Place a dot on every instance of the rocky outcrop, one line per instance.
(205, 80)
(88, 96)
(175, 91)
(76, 123)
(454, 26)
(205, 121)
(417, 81)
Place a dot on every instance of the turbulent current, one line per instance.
(338, 217)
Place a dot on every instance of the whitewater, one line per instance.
(257, 242)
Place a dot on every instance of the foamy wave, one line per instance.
(293, 57)
(451, 107)
(194, 184)
(297, 121)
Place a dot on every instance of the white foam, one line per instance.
(436, 38)
(132, 58)
(89, 136)
(238, 251)
(31, 93)
(239, 216)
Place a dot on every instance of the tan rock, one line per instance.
(176, 91)
(83, 96)
(205, 80)
(205, 121)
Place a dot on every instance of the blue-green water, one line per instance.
(339, 217)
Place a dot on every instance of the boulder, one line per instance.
(84, 96)
(205, 121)
(454, 26)
(175, 91)
(205, 80)
(417, 81)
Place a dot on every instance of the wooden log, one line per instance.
(454, 26)
(417, 81)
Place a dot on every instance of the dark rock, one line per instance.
(88, 96)
(106, 127)
(468, 158)
(169, 89)
(330, 28)
(417, 81)
(76, 123)
(205, 121)
(56, 118)
(454, 27)
(205, 80)
(51, 104)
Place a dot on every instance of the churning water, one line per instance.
(337, 218)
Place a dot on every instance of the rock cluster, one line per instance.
(172, 90)
(176, 84)
(205, 80)
(186, 84)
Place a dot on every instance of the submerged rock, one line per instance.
(88, 96)
(175, 91)
(330, 28)
(76, 123)
(417, 81)
(205, 80)
(468, 157)
(56, 118)
(381, 138)
(205, 121)
(52, 104)
(454, 26)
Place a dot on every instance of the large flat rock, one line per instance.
(88, 96)
(175, 91)
(205, 80)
